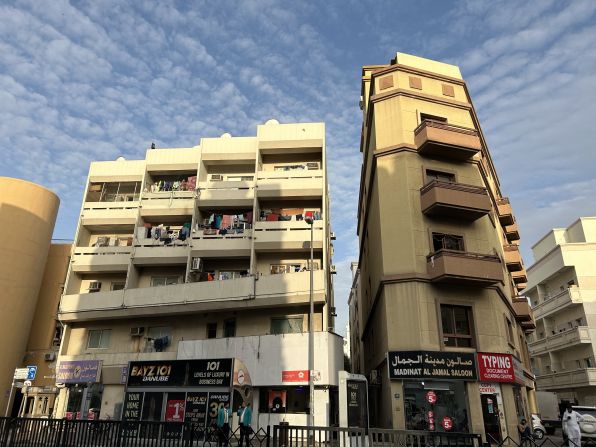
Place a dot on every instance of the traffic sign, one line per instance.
(31, 372)
(21, 373)
(27, 383)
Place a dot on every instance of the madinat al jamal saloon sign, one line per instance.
(431, 365)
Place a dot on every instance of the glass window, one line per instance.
(286, 325)
(509, 330)
(230, 328)
(118, 285)
(451, 402)
(285, 268)
(164, 280)
(432, 175)
(429, 117)
(447, 242)
(99, 339)
(457, 325)
(211, 330)
(284, 400)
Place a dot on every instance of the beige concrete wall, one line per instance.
(30, 210)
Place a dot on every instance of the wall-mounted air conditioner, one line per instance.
(94, 286)
(49, 356)
(137, 331)
(312, 165)
(217, 177)
(332, 236)
(196, 265)
(332, 269)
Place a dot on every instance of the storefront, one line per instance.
(435, 396)
(83, 392)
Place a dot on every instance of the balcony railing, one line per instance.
(505, 212)
(513, 259)
(523, 311)
(567, 379)
(299, 183)
(451, 266)
(561, 340)
(287, 235)
(436, 138)
(216, 245)
(229, 193)
(456, 200)
(241, 293)
(558, 302)
(512, 232)
(101, 259)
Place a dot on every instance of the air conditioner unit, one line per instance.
(217, 178)
(332, 269)
(197, 265)
(312, 165)
(137, 331)
(332, 235)
(102, 241)
(94, 286)
(49, 356)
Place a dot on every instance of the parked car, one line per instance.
(588, 423)
(537, 427)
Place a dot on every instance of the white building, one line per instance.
(203, 254)
(562, 291)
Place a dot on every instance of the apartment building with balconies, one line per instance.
(200, 254)
(562, 291)
(440, 272)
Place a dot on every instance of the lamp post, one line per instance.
(311, 337)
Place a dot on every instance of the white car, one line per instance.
(537, 427)
(588, 423)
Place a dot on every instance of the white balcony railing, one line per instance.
(101, 259)
(560, 340)
(300, 182)
(566, 379)
(287, 234)
(557, 302)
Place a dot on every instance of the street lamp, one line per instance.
(311, 337)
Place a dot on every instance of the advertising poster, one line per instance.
(174, 415)
(196, 412)
(357, 403)
(216, 401)
(277, 401)
(131, 413)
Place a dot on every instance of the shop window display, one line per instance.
(434, 405)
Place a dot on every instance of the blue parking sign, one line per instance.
(32, 372)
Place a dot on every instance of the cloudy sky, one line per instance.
(92, 80)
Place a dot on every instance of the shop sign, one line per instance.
(196, 373)
(518, 371)
(488, 388)
(431, 397)
(431, 365)
(78, 371)
(447, 423)
(294, 376)
(495, 367)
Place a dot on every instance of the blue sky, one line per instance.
(92, 80)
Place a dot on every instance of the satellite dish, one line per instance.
(272, 122)
(121, 159)
(226, 135)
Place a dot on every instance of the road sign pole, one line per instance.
(9, 399)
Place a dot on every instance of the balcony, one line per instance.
(160, 254)
(291, 235)
(522, 309)
(110, 213)
(167, 203)
(566, 379)
(234, 294)
(519, 277)
(439, 139)
(101, 259)
(302, 183)
(504, 210)
(448, 266)
(558, 302)
(561, 340)
(512, 232)
(237, 194)
(513, 259)
(444, 199)
(213, 246)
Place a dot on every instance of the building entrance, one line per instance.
(490, 415)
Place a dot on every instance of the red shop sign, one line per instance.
(175, 411)
(294, 376)
(495, 367)
(447, 423)
(431, 397)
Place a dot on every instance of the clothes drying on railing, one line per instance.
(226, 223)
(163, 234)
(288, 214)
(182, 184)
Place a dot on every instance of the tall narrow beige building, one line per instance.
(442, 325)
(190, 278)
(562, 291)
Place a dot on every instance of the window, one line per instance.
(440, 176)
(284, 400)
(509, 327)
(99, 339)
(428, 117)
(230, 327)
(447, 242)
(164, 280)
(211, 330)
(286, 325)
(285, 268)
(118, 285)
(57, 335)
(457, 326)
(589, 362)
(451, 401)
(232, 275)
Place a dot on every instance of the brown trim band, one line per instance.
(417, 95)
